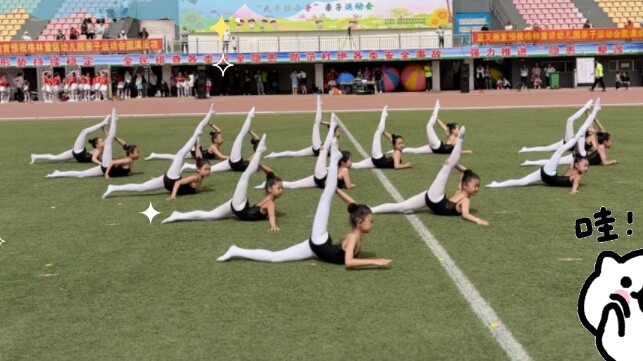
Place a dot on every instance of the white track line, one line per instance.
(376, 110)
(480, 307)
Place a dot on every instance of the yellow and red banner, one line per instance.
(80, 46)
(556, 36)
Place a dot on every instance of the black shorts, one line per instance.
(554, 180)
(116, 171)
(443, 149)
(239, 166)
(320, 183)
(442, 208)
(328, 252)
(316, 152)
(249, 214)
(184, 189)
(82, 157)
(383, 162)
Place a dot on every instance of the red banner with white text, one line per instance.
(80, 46)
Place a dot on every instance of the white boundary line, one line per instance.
(480, 307)
(375, 110)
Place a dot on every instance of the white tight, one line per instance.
(315, 141)
(569, 133)
(319, 235)
(434, 141)
(376, 150)
(238, 200)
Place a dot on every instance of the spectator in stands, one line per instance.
(625, 79)
(227, 36)
(629, 25)
(91, 28)
(294, 82)
(99, 28)
(598, 76)
(641, 23)
(484, 27)
(440, 33)
(83, 27)
(60, 35)
(122, 35)
(536, 71)
(617, 81)
(73, 33)
(25, 36)
(537, 27)
(548, 70)
(587, 25)
(143, 34)
(509, 26)
(164, 89)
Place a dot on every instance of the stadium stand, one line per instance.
(11, 22)
(73, 20)
(550, 14)
(622, 11)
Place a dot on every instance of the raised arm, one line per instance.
(121, 162)
(213, 126)
(443, 126)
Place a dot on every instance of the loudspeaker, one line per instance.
(464, 78)
(201, 76)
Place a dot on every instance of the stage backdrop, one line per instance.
(298, 15)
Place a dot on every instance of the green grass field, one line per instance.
(84, 278)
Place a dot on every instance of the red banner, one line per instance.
(80, 46)
(555, 36)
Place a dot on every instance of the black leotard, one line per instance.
(316, 151)
(239, 166)
(82, 157)
(116, 171)
(183, 188)
(554, 180)
(443, 208)
(248, 213)
(443, 149)
(328, 252)
(594, 158)
(321, 183)
(383, 162)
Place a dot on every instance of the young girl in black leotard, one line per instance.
(320, 245)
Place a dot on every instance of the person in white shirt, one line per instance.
(480, 77)
(548, 70)
(26, 36)
(524, 73)
(227, 35)
(122, 35)
(509, 26)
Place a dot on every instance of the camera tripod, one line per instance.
(351, 41)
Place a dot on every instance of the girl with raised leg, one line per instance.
(435, 199)
(319, 245)
(569, 132)
(239, 205)
(109, 168)
(316, 139)
(212, 152)
(79, 152)
(378, 159)
(172, 180)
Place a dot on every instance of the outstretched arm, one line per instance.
(355, 263)
(603, 155)
(272, 217)
(388, 136)
(460, 169)
(344, 196)
(187, 180)
(121, 162)
(397, 161)
(468, 216)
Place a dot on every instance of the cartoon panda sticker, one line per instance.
(610, 305)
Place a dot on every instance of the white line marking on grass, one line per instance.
(480, 307)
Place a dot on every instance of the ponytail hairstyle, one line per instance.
(129, 149)
(213, 135)
(357, 212)
(93, 141)
(271, 180)
(200, 162)
(451, 127)
(602, 137)
(469, 176)
(394, 138)
(346, 156)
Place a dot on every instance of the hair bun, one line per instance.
(125, 147)
(352, 207)
(270, 175)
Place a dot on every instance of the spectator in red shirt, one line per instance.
(73, 33)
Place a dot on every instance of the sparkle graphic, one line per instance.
(224, 61)
(220, 27)
(1, 241)
(150, 212)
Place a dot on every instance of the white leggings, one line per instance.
(434, 141)
(376, 149)
(315, 141)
